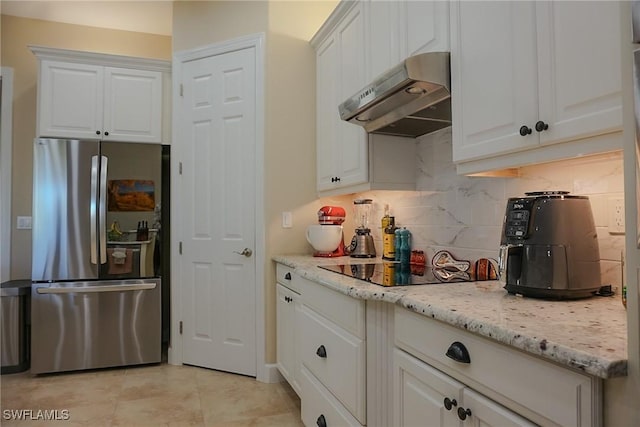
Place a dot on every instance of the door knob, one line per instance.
(541, 126)
(246, 252)
(525, 130)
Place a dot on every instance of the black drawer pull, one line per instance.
(287, 276)
(322, 352)
(321, 421)
(448, 403)
(458, 352)
(464, 413)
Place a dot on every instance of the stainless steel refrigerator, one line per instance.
(96, 292)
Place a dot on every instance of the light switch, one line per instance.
(287, 220)
(23, 223)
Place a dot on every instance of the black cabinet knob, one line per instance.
(97, 132)
(321, 421)
(464, 413)
(540, 126)
(106, 134)
(322, 352)
(287, 276)
(525, 130)
(448, 403)
(335, 179)
(458, 352)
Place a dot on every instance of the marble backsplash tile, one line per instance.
(464, 214)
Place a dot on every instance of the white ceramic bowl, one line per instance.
(324, 238)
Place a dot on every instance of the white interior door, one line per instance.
(217, 188)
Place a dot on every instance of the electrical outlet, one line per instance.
(23, 223)
(616, 215)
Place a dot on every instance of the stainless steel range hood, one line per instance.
(411, 99)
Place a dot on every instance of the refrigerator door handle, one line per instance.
(96, 289)
(93, 213)
(103, 209)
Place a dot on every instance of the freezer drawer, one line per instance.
(88, 325)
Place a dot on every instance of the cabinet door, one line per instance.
(494, 78)
(425, 27)
(420, 392)
(70, 100)
(352, 142)
(286, 334)
(579, 68)
(383, 36)
(327, 118)
(133, 105)
(487, 413)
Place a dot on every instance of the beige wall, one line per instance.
(289, 183)
(17, 34)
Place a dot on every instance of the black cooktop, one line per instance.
(394, 273)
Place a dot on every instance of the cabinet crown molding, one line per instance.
(332, 21)
(104, 59)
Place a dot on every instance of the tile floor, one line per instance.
(155, 395)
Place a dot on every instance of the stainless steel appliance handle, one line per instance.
(94, 201)
(103, 209)
(96, 289)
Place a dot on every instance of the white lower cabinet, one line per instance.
(332, 355)
(425, 396)
(355, 362)
(319, 407)
(498, 385)
(286, 320)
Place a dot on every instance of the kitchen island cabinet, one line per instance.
(524, 368)
(83, 95)
(534, 82)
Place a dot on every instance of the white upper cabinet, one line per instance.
(528, 75)
(340, 64)
(359, 41)
(81, 96)
(399, 29)
(133, 105)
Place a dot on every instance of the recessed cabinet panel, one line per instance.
(336, 358)
(286, 321)
(427, 26)
(327, 110)
(580, 74)
(486, 412)
(133, 104)
(420, 392)
(70, 100)
(494, 78)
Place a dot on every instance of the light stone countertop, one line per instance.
(589, 335)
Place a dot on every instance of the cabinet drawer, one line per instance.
(346, 312)
(284, 276)
(318, 404)
(558, 394)
(336, 358)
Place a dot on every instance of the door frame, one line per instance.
(6, 143)
(264, 372)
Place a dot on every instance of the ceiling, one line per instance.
(146, 16)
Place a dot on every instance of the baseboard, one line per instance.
(270, 374)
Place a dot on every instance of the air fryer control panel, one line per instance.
(516, 222)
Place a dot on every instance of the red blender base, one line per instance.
(337, 253)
